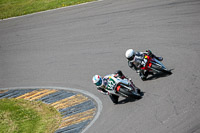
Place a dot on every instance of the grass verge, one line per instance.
(22, 116)
(12, 8)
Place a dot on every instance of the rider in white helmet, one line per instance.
(101, 84)
(135, 60)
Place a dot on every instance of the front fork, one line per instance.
(132, 86)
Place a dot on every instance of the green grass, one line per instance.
(22, 116)
(12, 8)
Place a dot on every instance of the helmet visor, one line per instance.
(99, 82)
(131, 58)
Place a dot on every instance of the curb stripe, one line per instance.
(57, 96)
(73, 128)
(77, 108)
(77, 118)
(13, 93)
(34, 95)
(3, 91)
(68, 102)
(42, 94)
(25, 96)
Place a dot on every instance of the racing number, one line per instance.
(111, 84)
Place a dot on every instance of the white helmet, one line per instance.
(129, 54)
(97, 80)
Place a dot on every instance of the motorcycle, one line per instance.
(154, 66)
(122, 87)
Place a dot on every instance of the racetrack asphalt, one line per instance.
(67, 47)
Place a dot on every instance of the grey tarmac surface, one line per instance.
(67, 47)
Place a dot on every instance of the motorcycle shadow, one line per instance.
(130, 99)
(159, 75)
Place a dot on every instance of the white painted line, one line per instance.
(50, 10)
(97, 100)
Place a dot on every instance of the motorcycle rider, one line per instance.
(102, 82)
(136, 61)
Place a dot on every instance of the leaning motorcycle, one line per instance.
(122, 87)
(154, 66)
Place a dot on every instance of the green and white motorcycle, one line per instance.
(121, 87)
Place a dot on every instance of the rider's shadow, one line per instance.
(129, 99)
(159, 75)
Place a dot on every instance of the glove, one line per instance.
(149, 53)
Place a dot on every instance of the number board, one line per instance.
(111, 84)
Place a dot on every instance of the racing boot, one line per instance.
(159, 58)
(142, 75)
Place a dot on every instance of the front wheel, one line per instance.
(167, 71)
(160, 69)
(129, 93)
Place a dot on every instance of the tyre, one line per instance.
(167, 71)
(129, 93)
(125, 91)
(156, 67)
(161, 69)
(137, 97)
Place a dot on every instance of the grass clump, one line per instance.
(12, 8)
(22, 116)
